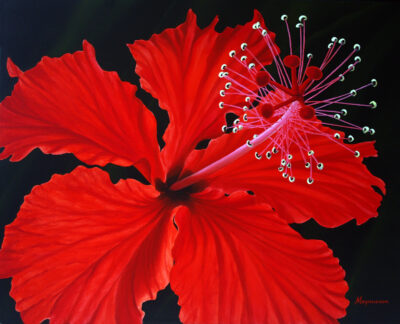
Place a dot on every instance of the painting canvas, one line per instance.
(225, 172)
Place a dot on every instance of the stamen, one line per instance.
(296, 99)
(287, 111)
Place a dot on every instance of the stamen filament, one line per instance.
(233, 156)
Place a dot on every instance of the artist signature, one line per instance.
(359, 300)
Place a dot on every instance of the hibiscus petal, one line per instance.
(83, 250)
(70, 105)
(342, 191)
(180, 68)
(236, 261)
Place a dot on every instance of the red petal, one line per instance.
(342, 191)
(13, 70)
(83, 250)
(237, 262)
(180, 68)
(70, 105)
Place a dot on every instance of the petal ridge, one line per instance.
(345, 186)
(70, 105)
(80, 243)
(180, 67)
(246, 265)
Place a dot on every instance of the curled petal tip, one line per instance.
(191, 15)
(13, 70)
(86, 46)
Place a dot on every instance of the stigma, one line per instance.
(290, 101)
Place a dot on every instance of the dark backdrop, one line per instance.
(368, 253)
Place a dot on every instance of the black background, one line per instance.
(369, 253)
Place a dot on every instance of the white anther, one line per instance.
(224, 66)
(224, 129)
(372, 131)
(291, 179)
(280, 169)
(374, 82)
(353, 93)
(283, 162)
(227, 85)
(245, 108)
(320, 166)
(243, 58)
(274, 150)
(290, 156)
(342, 41)
(247, 99)
(350, 138)
(356, 154)
(310, 180)
(245, 117)
(243, 46)
(284, 17)
(344, 112)
(365, 129)
(302, 18)
(222, 93)
(357, 59)
(232, 53)
(268, 155)
(226, 73)
(251, 66)
(299, 25)
(221, 105)
(341, 77)
(248, 142)
(330, 45)
(264, 32)
(351, 67)
(307, 165)
(334, 39)
(285, 175)
(310, 56)
(336, 116)
(258, 156)
(235, 130)
(256, 25)
(356, 47)
(311, 152)
(221, 74)
(255, 136)
(289, 165)
(240, 127)
(336, 135)
(373, 104)
(236, 121)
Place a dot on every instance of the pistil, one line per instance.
(284, 111)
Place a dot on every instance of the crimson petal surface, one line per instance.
(180, 68)
(70, 105)
(236, 261)
(342, 191)
(83, 250)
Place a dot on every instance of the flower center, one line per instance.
(181, 195)
(283, 111)
(296, 85)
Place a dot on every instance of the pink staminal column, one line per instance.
(285, 109)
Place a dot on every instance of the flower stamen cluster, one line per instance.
(294, 93)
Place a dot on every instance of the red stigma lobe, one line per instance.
(263, 78)
(307, 112)
(314, 73)
(267, 110)
(291, 61)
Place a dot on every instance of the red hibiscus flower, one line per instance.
(85, 250)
